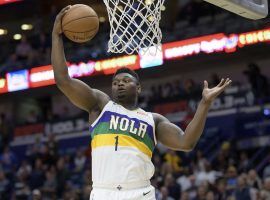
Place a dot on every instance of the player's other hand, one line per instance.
(209, 94)
(57, 28)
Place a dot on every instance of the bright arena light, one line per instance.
(3, 31)
(120, 8)
(102, 19)
(163, 8)
(148, 2)
(17, 36)
(26, 27)
(151, 18)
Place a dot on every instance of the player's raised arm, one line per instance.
(77, 91)
(173, 137)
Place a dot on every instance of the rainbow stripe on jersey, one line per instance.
(134, 129)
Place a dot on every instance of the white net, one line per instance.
(134, 24)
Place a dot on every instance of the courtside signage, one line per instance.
(109, 66)
(214, 43)
(43, 76)
(206, 44)
(18, 80)
(3, 85)
(2, 2)
(81, 69)
(254, 37)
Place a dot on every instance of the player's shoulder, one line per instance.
(102, 98)
(159, 118)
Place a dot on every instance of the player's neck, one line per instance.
(129, 105)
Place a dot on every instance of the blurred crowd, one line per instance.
(33, 49)
(189, 89)
(28, 54)
(46, 174)
(228, 176)
(220, 174)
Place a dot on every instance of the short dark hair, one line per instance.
(128, 71)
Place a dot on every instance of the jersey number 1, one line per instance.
(116, 142)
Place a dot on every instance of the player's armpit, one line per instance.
(82, 95)
(170, 135)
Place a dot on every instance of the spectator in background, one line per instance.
(52, 145)
(201, 193)
(9, 160)
(173, 187)
(207, 174)
(191, 90)
(173, 160)
(222, 192)
(50, 185)
(21, 187)
(36, 195)
(37, 176)
(231, 176)
(226, 150)
(266, 171)
(164, 194)
(24, 50)
(5, 186)
(167, 91)
(62, 176)
(253, 180)
(200, 160)
(191, 12)
(265, 193)
(79, 161)
(71, 194)
(177, 90)
(4, 131)
(210, 195)
(242, 191)
(192, 191)
(184, 180)
(214, 80)
(42, 43)
(155, 95)
(86, 191)
(49, 159)
(25, 169)
(166, 168)
(11, 63)
(42, 50)
(66, 114)
(184, 196)
(244, 161)
(225, 157)
(258, 81)
(87, 177)
(34, 151)
(32, 117)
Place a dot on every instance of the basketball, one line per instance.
(80, 23)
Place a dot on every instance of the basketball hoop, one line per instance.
(134, 25)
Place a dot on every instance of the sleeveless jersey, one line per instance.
(122, 145)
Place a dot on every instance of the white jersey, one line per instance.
(122, 145)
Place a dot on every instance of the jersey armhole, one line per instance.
(100, 115)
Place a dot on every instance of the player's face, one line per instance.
(125, 87)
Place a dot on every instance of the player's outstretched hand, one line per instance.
(209, 94)
(57, 28)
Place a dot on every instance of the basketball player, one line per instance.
(124, 135)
